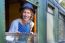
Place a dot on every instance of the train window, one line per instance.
(61, 27)
(50, 37)
(12, 12)
(15, 23)
(50, 10)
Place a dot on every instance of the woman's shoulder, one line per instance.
(15, 21)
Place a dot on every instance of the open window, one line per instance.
(12, 12)
(50, 14)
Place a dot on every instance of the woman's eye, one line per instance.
(28, 12)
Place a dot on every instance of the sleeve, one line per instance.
(12, 27)
(32, 24)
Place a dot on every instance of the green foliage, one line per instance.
(62, 4)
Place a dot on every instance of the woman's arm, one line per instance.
(31, 26)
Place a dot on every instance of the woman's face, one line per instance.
(26, 14)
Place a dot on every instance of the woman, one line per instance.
(25, 23)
